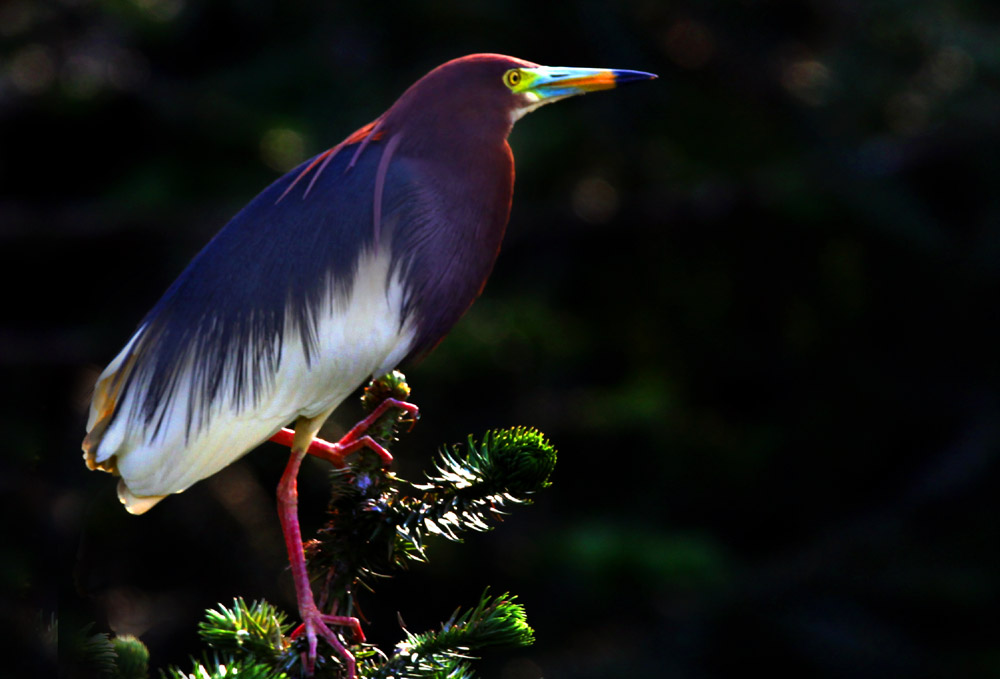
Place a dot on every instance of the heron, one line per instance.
(361, 258)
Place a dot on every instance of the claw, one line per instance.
(380, 410)
(316, 624)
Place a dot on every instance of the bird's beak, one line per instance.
(548, 83)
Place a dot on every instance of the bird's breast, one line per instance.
(446, 241)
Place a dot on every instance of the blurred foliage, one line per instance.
(754, 302)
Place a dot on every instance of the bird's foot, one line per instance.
(353, 440)
(316, 624)
(334, 453)
(380, 410)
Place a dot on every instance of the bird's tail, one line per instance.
(136, 504)
(102, 410)
(104, 405)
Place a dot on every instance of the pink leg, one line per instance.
(352, 440)
(379, 411)
(313, 621)
(334, 453)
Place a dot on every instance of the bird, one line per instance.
(359, 259)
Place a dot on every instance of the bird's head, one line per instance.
(487, 93)
(530, 85)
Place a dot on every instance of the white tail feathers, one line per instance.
(136, 504)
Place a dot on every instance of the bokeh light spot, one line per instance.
(907, 112)
(282, 149)
(689, 44)
(83, 75)
(951, 68)
(594, 200)
(521, 668)
(127, 69)
(808, 80)
(16, 17)
(160, 10)
(32, 69)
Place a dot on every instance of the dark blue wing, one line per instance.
(260, 280)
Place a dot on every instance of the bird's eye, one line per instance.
(512, 78)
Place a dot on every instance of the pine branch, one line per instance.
(390, 385)
(99, 655)
(472, 487)
(356, 542)
(249, 641)
(495, 621)
(379, 523)
(133, 658)
(219, 667)
(257, 630)
(96, 650)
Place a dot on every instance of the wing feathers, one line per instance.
(282, 315)
(356, 338)
(104, 406)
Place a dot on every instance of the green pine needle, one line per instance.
(219, 668)
(495, 621)
(445, 653)
(258, 629)
(93, 652)
(514, 463)
(419, 667)
(133, 658)
(472, 486)
(437, 667)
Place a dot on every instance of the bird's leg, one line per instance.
(352, 440)
(313, 621)
(334, 453)
(302, 440)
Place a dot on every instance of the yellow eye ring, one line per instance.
(512, 78)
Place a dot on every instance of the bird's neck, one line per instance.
(466, 189)
(458, 136)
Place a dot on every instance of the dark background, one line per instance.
(753, 303)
